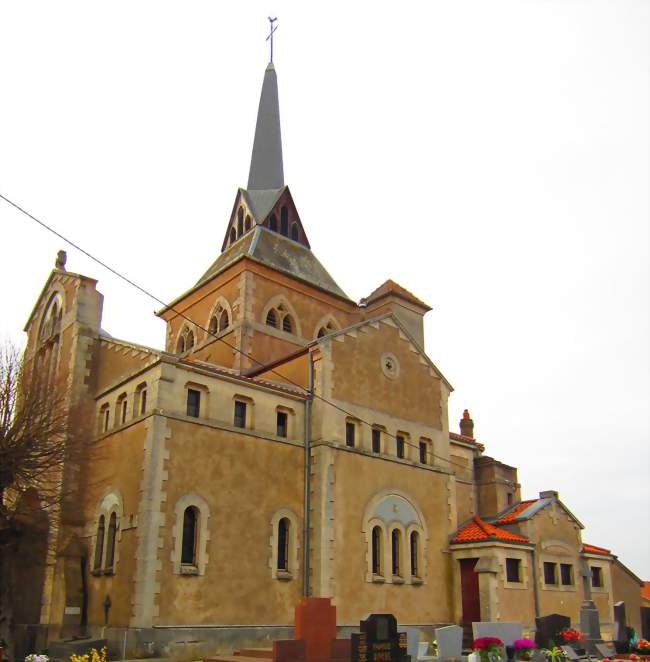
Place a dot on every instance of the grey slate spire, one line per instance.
(266, 162)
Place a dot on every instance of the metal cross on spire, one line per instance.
(270, 37)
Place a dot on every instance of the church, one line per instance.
(288, 441)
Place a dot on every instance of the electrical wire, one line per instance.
(429, 453)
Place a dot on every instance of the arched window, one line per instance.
(110, 542)
(99, 544)
(240, 221)
(188, 548)
(376, 550)
(185, 341)
(284, 221)
(287, 324)
(415, 543)
(213, 327)
(273, 223)
(295, 233)
(283, 544)
(191, 534)
(224, 322)
(271, 318)
(233, 235)
(51, 321)
(395, 544)
(247, 223)
(140, 401)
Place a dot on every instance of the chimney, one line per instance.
(467, 425)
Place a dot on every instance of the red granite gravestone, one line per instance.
(315, 624)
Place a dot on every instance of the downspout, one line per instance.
(306, 475)
(536, 582)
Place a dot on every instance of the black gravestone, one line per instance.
(547, 628)
(379, 641)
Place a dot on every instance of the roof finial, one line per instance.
(270, 37)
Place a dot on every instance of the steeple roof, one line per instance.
(266, 170)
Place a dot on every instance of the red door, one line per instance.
(469, 592)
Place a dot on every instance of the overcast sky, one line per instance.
(492, 157)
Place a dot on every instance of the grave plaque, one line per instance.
(379, 641)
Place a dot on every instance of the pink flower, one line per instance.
(525, 644)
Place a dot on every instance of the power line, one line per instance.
(214, 335)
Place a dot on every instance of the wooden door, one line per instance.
(471, 601)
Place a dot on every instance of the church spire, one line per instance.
(266, 162)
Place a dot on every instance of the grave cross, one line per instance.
(272, 29)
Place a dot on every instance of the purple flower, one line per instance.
(524, 644)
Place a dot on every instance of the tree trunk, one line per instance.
(6, 601)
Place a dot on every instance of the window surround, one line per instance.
(287, 309)
(140, 400)
(220, 306)
(250, 411)
(370, 520)
(558, 552)
(186, 340)
(203, 402)
(327, 324)
(406, 444)
(104, 418)
(50, 324)
(280, 409)
(111, 503)
(293, 556)
(603, 576)
(202, 535)
(357, 432)
(121, 409)
(524, 572)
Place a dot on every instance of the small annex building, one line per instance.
(286, 441)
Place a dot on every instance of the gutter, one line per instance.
(306, 486)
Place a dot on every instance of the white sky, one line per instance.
(492, 157)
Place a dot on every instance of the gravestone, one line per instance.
(547, 628)
(621, 637)
(379, 641)
(507, 631)
(604, 651)
(315, 624)
(450, 642)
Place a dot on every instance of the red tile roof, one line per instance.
(468, 440)
(512, 515)
(645, 590)
(592, 549)
(391, 287)
(478, 529)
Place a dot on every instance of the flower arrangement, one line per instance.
(643, 646)
(633, 656)
(93, 656)
(524, 648)
(571, 635)
(487, 648)
(37, 657)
